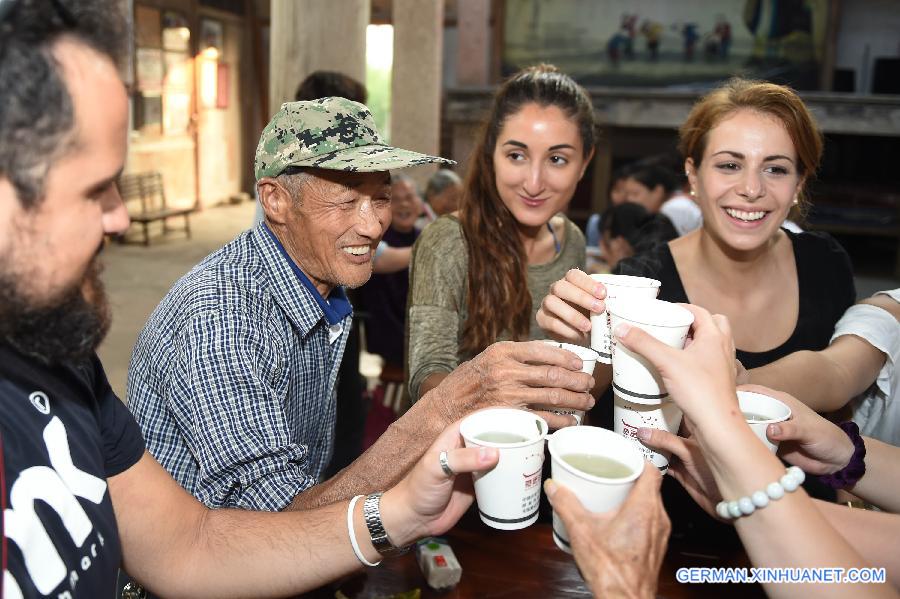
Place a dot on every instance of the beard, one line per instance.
(67, 328)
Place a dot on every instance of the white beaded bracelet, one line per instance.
(745, 506)
(353, 542)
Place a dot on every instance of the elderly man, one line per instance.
(232, 379)
(81, 495)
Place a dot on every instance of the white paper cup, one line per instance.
(762, 405)
(634, 378)
(617, 286)
(508, 495)
(629, 416)
(595, 493)
(589, 361)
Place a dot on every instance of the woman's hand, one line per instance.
(688, 466)
(565, 311)
(700, 378)
(807, 440)
(619, 552)
(427, 501)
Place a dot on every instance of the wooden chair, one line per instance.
(145, 198)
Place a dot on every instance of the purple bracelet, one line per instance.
(855, 468)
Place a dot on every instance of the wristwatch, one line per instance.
(377, 534)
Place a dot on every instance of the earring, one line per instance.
(796, 200)
(693, 193)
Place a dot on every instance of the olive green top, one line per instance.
(438, 281)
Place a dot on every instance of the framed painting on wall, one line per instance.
(659, 43)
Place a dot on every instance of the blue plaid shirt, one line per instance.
(232, 379)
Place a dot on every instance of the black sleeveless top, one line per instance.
(826, 287)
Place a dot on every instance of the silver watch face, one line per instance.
(377, 534)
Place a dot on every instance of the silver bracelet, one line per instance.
(377, 534)
(790, 482)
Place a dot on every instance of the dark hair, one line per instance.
(621, 173)
(497, 264)
(651, 175)
(37, 117)
(642, 230)
(776, 101)
(321, 84)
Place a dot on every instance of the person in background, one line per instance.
(479, 276)
(321, 84)
(441, 196)
(616, 196)
(383, 297)
(655, 187)
(629, 229)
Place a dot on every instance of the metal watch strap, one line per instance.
(377, 534)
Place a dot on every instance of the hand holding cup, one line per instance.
(517, 375)
(700, 377)
(565, 311)
(807, 440)
(620, 552)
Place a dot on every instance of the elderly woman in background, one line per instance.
(441, 196)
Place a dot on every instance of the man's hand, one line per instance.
(619, 552)
(565, 311)
(427, 502)
(517, 375)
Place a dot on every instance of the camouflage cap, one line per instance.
(330, 133)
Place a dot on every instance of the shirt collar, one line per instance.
(336, 307)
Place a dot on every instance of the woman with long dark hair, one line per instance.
(479, 275)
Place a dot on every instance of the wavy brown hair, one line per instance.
(497, 297)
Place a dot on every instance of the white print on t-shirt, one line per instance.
(57, 487)
(40, 401)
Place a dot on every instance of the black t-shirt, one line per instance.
(826, 289)
(63, 433)
(825, 281)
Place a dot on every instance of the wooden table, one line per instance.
(526, 563)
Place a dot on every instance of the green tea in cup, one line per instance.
(597, 465)
(500, 437)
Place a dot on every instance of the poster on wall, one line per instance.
(691, 44)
